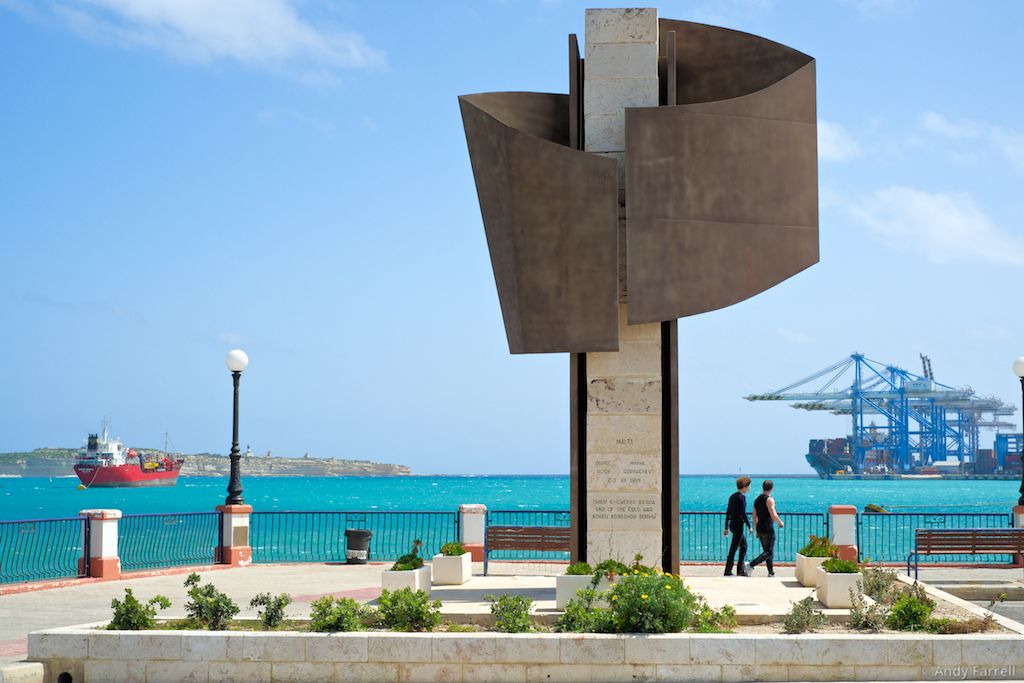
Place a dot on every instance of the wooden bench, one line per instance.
(965, 542)
(547, 538)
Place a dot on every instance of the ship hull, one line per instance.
(126, 476)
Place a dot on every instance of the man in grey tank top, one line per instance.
(764, 514)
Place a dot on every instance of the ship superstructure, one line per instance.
(902, 423)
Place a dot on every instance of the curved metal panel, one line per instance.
(722, 197)
(715, 63)
(550, 214)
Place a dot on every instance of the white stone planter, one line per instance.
(807, 568)
(451, 570)
(566, 586)
(416, 579)
(834, 589)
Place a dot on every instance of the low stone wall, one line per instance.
(91, 656)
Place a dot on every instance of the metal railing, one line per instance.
(38, 549)
(702, 538)
(528, 518)
(319, 535)
(889, 537)
(168, 540)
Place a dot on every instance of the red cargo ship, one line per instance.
(106, 463)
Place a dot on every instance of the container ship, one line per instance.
(104, 462)
(904, 425)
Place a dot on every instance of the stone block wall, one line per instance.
(154, 657)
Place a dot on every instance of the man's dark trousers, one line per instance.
(768, 547)
(739, 542)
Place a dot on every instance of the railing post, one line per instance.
(471, 527)
(103, 561)
(1018, 523)
(843, 528)
(234, 535)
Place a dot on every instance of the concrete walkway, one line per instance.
(90, 602)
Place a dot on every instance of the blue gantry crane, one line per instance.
(902, 422)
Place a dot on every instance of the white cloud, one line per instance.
(1009, 143)
(835, 143)
(267, 34)
(945, 228)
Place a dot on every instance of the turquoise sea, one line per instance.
(32, 498)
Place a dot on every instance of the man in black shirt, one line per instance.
(764, 513)
(735, 521)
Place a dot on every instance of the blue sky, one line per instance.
(178, 178)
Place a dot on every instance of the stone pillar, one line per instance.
(104, 561)
(235, 549)
(843, 524)
(625, 478)
(472, 521)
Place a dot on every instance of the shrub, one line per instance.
(511, 613)
(208, 607)
(880, 584)
(410, 560)
(610, 568)
(803, 617)
(865, 617)
(272, 608)
(453, 549)
(819, 546)
(331, 615)
(911, 609)
(651, 603)
(408, 610)
(132, 615)
(461, 628)
(950, 626)
(834, 565)
(709, 620)
(579, 569)
(580, 616)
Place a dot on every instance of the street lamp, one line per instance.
(1018, 369)
(237, 362)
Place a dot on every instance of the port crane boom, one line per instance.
(901, 421)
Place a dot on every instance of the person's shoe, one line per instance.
(727, 574)
(743, 573)
(771, 573)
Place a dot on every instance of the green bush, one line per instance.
(579, 569)
(834, 565)
(511, 613)
(208, 607)
(332, 615)
(819, 546)
(410, 560)
(911, 609)
(803, 617)
(453, 549)
(610, 568)
(408, 610)
(132, 615)
(880, 584)
(271, 610)
(580, 616)
(865, 617)
(651, 603)
(709, 620)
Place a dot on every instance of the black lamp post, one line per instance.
(237, 362)
(1018, 369)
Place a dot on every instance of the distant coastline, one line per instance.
(57, 462)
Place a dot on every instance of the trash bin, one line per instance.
(357, 545)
